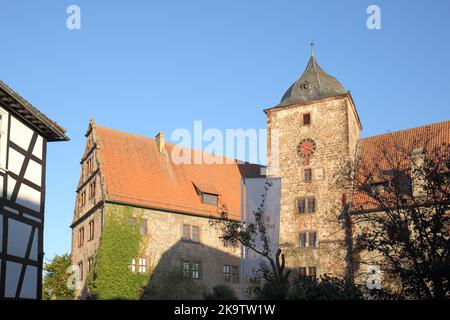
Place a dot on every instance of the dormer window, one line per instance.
(208, 198)
(207, 193)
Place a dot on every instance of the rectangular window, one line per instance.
(133, 265)
(210, 198)
(195, 234)
(226, 273)
(92, 190)
(306, 119)
(195, 270)
(301, 205)
(80, 271)
(91, 230)
(307, 175)
(186, 232)
(311, 205)
(144, 228)
(312, 272)
(235, 274)
(90, 264)
(303, 240)
(186, 269)
(302, 272)
(83, 198)
(312, 241)
(81, 237)
(142, 265)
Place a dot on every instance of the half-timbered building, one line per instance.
(24, 133)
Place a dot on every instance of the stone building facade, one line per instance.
(120, 171)
(313, 133)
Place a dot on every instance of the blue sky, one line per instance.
(149, 66)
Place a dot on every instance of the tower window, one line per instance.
(312, 239)
(307, 272)
(306, 119)
(312, 272)
(306, 205)
(302, 272)
(311, 205)
(303, 239)
(308, 239)
(307, 175)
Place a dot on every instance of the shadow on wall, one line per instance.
(188, 270)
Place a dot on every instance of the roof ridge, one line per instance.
(405, 130)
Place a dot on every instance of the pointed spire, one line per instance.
(313, 84)
(312, 48)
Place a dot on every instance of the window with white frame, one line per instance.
(138, 265)
(133, 265)
(3, 137)
(191, 270)
(142, 265)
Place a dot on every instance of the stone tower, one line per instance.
(312, 133)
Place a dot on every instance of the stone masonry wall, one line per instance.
(335, 129)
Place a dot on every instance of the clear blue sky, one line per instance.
(148, 66)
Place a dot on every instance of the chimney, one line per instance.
(160, 142)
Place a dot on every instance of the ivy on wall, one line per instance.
(111, 277)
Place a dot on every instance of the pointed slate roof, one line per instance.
(313, 84)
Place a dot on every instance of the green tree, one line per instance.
(56, 276)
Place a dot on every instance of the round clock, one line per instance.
(307, 147)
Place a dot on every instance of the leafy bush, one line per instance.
(171, 285)
(324, 288)
(221, 292)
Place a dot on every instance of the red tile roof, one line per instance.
(136, 173)
(400, 145)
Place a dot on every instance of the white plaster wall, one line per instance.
(18, 236)
(20, 133)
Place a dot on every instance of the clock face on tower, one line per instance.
(306, 148)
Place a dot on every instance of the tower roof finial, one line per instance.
(312, 48)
